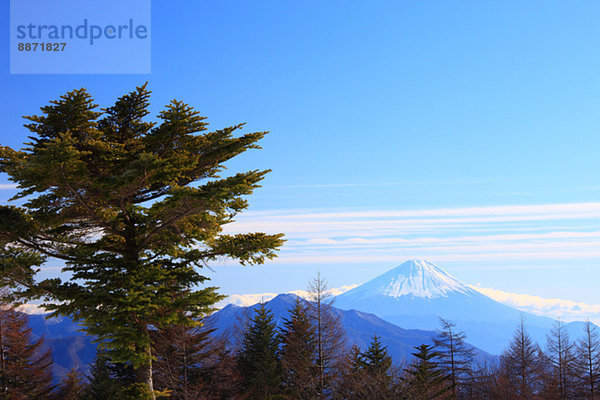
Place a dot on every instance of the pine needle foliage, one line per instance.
(134, 209)
(259, 361)
(299, 353)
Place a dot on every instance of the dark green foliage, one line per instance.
(355, 360)
(134, 209)
(17, 266)
(101, 383)
(108, 380)
(299, 352)
(378, 373)
(370, 375)
(376, 358)
(259, 359)
(425, 380)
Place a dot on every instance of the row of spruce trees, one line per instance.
(307, 356)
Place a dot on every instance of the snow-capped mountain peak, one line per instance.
(417, 278)
(417, 293)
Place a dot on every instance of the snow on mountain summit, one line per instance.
(417, 278)
(415, 294)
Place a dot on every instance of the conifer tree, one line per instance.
(370, 375)
(71, 387)
(425, 381)
(222, 377)
(25, 370)
(355, 359)
(191, 364)
(455, 356)
(561, 357)
(520, 365)
(482, 384)
(134, 209)
(352, 377)
(376, 358)
(107, 380)
(101, 384)
(299, 352)
(330, 336)
(181, 354)
(588, 362)
(547, 379)
(377, 364)
(259, 359)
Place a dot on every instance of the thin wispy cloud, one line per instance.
(526, 232)
(7, 186)
(512, 210)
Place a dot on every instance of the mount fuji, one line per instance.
(417, 293)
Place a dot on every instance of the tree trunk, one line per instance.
(143, 375)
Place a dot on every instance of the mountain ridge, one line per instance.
(359, 327)
(418, 304)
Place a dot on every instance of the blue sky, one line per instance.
(398, 129)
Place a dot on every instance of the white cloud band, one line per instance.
(529, 232)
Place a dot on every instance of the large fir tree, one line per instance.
(425, 380)
(370, 375)
(259, 359)
(107, 380)
(377, 365)
(299, 353)
(134, 209)
(376, 358)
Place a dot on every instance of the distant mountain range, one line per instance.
(73, 349)
(402, 306)
(70, 347)
(416, 293)
(360, 327)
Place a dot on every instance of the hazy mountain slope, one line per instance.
(73, 349)
(359, 327)
(416, 293)
(70, 347)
